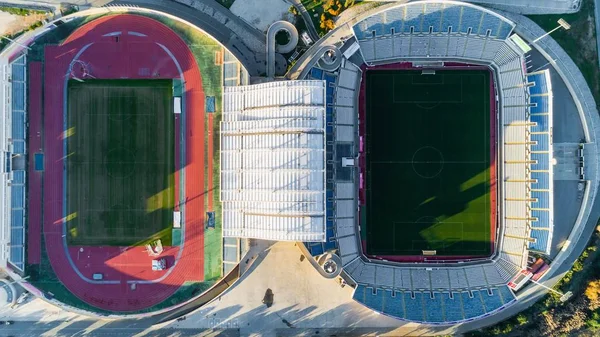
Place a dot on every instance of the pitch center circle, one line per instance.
(120, 162)
(428, 162)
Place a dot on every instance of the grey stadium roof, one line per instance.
(273, 161)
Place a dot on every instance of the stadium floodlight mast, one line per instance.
(563, 297)
(561, 24)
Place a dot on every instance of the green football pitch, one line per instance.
(428, 162)
(120, 162)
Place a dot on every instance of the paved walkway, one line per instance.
(533, 6)
(299, 299)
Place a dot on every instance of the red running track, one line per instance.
(124, 46)
(34, 231)
(362, 110)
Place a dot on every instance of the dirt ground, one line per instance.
(10, 24)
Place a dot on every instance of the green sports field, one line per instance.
(428, 162)
(120, 162)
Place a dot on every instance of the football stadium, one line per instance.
(411, 153)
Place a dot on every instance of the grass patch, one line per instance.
(21, 11)
(579, 42)
(428, 162)
(120, 167)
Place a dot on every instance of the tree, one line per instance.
(592, 292)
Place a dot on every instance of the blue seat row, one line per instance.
(434, 17)
(540, 99)
(541, 237)
(437, 307)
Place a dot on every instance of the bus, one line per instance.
(519, 281)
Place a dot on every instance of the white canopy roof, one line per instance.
(273, 161)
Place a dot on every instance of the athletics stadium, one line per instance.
(410, 153)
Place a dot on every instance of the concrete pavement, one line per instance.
(533, 6)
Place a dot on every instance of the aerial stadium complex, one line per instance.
(411, 152)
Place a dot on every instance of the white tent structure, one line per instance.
(273, 161)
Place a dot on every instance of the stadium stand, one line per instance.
(341, 91)
(487, 282)
(436, 29)
(434, 307)
(440, 31)
(272, 181)
(540, 117)
(16, 161)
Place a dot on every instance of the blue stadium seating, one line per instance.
(540, 86)
(18, 125)
(438, 15)
(541, 237)
(17, 196)
(434, 308)
(542, 161)
(414, 306)
(432, 17)
(454, 311)
(507, 295)
(18, 177)
(414, 16)
(472, 306)
(18, 146)
(542, 141)
(471, 18)
(359, 293)
(542, 199)
(17, 256)
(490, 22)
(18, 72)
(542, 180)
(394, 19)
(543, 218)
(541, 104)
(505, 30)
(393, 305)
(541, 113)
(542, 123)
(17, 189)
(439, 309)
(316, 73)
(451, 18)
(374, 301)
(491, 302)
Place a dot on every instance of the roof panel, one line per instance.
(273, 161)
